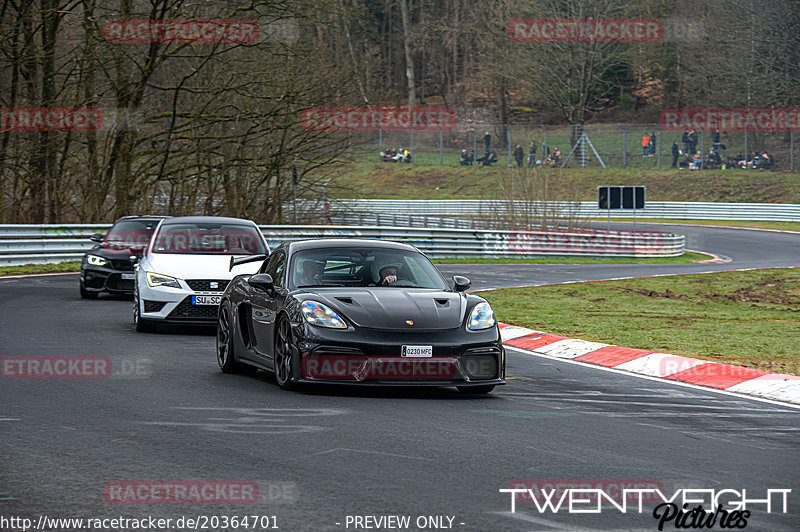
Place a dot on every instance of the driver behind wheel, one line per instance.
(312, 273)
(387, 273)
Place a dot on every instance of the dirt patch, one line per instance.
(668, 294)
(573, 293)
(781, 292)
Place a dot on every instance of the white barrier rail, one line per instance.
(783, 212)
(38, 244)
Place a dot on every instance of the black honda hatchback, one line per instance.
(108, 266)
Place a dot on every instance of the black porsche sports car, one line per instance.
(347, 311)
(108, 266)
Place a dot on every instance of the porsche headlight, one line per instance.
(482, 317)
(94, 260)
(321, 315)
(156, 279)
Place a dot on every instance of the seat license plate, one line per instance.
(206, 300)
(127, 276)
(417, 351)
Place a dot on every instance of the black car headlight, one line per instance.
(482, 317)
(321, 315)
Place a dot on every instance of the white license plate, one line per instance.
(128, 276)
(206, 300)
(417, 351)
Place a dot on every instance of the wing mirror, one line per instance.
(97, 237)
(262, 281)
(461, 283)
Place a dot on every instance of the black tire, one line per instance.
(282, 354)
(226, 353)
(142, 325)
(476, 390)
(85, 294)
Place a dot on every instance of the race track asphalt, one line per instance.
(321, 455)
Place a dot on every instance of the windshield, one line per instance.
(378, 267)
(130, 233)
(209, 238)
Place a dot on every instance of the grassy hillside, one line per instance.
(366, 177)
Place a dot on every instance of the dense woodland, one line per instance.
(214, 128)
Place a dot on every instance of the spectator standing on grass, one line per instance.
(685, 140)
(715, 139)
(645, 145)
(675, 152)
(693, 141)
(519, 155)
(532, 154)
(487, 141)
(653, 144)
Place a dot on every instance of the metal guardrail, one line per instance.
(58, 243)
(585, 209)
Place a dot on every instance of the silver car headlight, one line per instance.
(482, 317)
(94, 260)
(316, 313)
(156, 279)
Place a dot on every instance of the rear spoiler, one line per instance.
(235, 261)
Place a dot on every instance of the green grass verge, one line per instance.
(366, 177)
(747, 318)
(685, 258)
(72, 266)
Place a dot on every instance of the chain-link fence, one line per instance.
(610, 145)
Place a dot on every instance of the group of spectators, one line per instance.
(399, 155)
(683, 158)
(552, 160)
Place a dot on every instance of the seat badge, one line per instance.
(409, 322)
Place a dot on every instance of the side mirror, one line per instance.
(461, 283)
(262, 281)
(97, 237)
